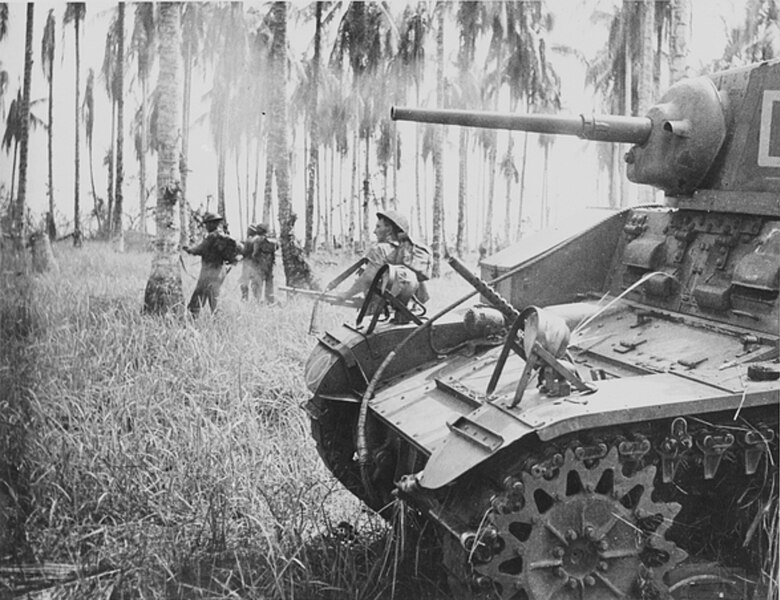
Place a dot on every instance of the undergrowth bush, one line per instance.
(169, 457)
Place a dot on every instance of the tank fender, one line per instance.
(492, 427)
(473, 438)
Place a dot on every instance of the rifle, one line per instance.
(320, 296)
(324, 295)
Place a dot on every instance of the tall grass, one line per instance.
(169, 457)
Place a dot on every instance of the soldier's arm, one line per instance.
(198, 248)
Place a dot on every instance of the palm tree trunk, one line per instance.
(120, 130)
(268, 185)
(184, 217)
(50, 143)
(353, 193)
(314, 137)
(142, 162)
(257, 179)
(238, 197)
(77, 155)
(221, 159)
(462, 186)
(13, 169)
(111, 156)
(680, 38)
(25, 131)
(646, 89)
(417, 160)
(437, 239)
(523, 170)
(163, 290)
(394, 166)
(366, 235)
(296, 269)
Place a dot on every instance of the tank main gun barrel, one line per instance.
(600, 128)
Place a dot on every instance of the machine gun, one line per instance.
(326, 296)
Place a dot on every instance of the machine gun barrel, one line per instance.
(600, 128)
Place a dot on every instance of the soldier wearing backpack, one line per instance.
(216, 250)
(411, 261)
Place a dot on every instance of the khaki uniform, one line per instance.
(266, 258)
(216, 250)
(251, 272)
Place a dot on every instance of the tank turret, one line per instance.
(604, 424)
(718, 132)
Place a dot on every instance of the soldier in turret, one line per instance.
(217, 250)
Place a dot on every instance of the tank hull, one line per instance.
(616, 435)
(668, 403)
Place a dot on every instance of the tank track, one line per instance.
(665, 509)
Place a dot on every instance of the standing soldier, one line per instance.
(266, 258)
(251, 274)
(216, 250)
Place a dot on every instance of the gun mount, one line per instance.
(612, 430)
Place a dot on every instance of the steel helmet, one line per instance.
(210, 217)
(396, 218)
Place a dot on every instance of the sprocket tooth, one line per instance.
(623, 485)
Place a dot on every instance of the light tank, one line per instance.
(604, 424)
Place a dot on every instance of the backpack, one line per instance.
(417, 257)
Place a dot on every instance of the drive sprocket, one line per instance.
(582, 531)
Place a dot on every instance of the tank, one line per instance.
(599, 418)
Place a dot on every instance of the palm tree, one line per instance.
(116, 226)
(75, 12)
(227, 42)
(143, 46)
(679, 39)
(469, 18)
(757, 39)
(296, 269)
(89, 122)
(193, 33)
(610, 74)
(411, 53)
(3, 72)
(113, 74)
(47, 63)
(25, 129)
(362, 40)
(13, 134)
(437, 239)
(163, 290)
(314, 137)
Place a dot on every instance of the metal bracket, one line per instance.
(714, 446)
(674, 447)
(756, 445)
(634, 450)
(478, 434)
